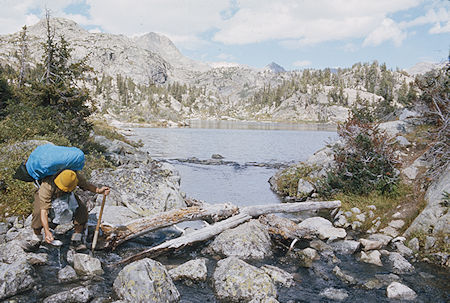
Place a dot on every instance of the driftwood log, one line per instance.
(210, 231)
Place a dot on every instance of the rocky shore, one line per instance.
(329, 261)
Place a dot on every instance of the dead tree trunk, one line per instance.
(245, 214)
(117, 234)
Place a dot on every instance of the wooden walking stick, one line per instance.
(94, 241)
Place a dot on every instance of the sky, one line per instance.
(296, 34)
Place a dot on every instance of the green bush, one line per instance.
(287, 183)
(364, 159)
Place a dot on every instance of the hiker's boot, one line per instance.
(77, 242)
(32, 244)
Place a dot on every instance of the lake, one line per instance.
(239, 142)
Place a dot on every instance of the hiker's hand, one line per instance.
(49, 237)
(103, 190)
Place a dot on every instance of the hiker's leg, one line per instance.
(36, 223)
(80, 216)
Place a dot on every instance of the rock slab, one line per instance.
(145, 280)
(399, 291)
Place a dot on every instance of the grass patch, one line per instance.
(386, 205)
(441, 244)
(288, 181)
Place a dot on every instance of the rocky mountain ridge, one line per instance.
(146, 78)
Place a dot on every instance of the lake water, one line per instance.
(239, 142)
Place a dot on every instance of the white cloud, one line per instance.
(438, 29)
(226, 57)
(387, 30)
(302, 63)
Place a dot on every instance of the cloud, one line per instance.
(302, 63)
(226, 57)
(438, 29)
(387, 30)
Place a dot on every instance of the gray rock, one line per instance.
(15, 278)
(217, 156)
(62, 229)
(399, 291)
(145, 280)
(279, 276)
(264, 300)
(414, 244)
(390, 231)
(402, 141)
(393, 128)
(345, 247)
(399, 264)
(406, 113)
(341, 221)
(323, 228)
(67, 274)
(435, 216)
(343, 276)
(307, 256)
(319, 245)
(79, 294)
(372, 257)
(356, 210)
(3, 228)
(410, 172)
(86, 265)
(334, 294)
(370, 244)
(237, 281)
(143, 188)
(396, 224)
(429, 242)
(114, 215)
(381, 280)
(304, 189)
(194, 270)
(385, 239)
(250, 240)
(12, 251)
(403, 250)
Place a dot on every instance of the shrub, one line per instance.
(364, 158)
(287, 183)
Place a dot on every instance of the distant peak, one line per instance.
(274, 67)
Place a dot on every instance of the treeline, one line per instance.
(369, 77)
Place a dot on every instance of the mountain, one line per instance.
(424, 67)
(275, 68)
(146, 78)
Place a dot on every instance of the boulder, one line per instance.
(396, 224)
(403, 250)
(12, 251)
(334, 294)
(345, 247)
(250, 240)
(304, 189)
(3, 228)
(402, 141)
(237, 281)
(79, 294)
(86, 265)
(279, 276)
(145, 280)
(429, 242)
(307, 256)
(398, 291)
(414, 244)
(394, 128)
(114, 215)
(143, 188)
(67, 274)
(435, 216)
(372, 257)
(399, 264)
(370, 244)
(385, 239)
(323, 228)
(15, 278)
(194, 270)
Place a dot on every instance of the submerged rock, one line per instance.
(237, 281)
(307, 256)
(76, 295)
(145, 280)
(343, 276)
(250, 240)
(399, 291)
(345, 247)
(194, 270)
(323, 228)
(334, 294)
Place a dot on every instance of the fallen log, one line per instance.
(115, 235)
(215, 229)
(196, 236)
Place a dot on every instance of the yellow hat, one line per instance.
(67, 180)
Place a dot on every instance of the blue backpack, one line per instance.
(47, 160)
